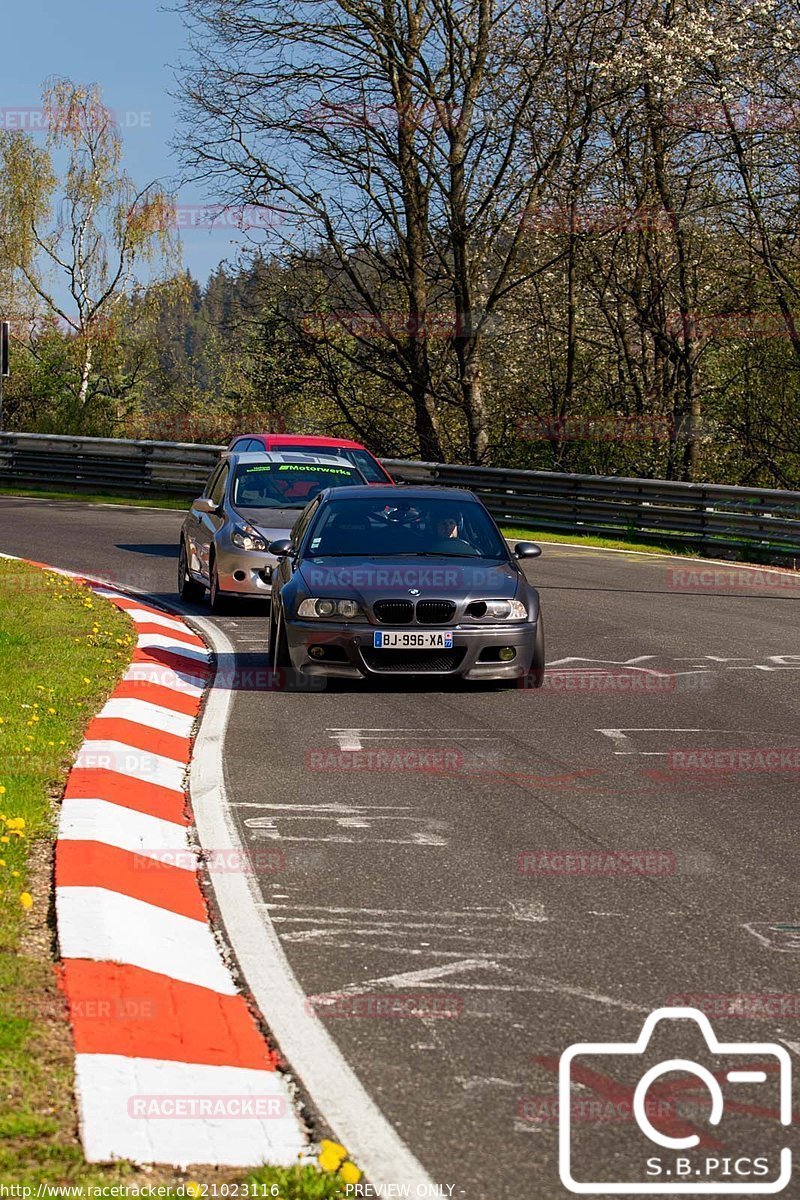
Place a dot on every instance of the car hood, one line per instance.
(444, 578)
(271, 523)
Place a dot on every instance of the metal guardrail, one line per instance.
(89, 464)
(710, 517)
(761, 522)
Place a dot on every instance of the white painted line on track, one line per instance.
(313, 1056)
(106, 926)
(113, 1088)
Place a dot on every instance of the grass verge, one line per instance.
(179, 502)
(62, 650)
(604, 543)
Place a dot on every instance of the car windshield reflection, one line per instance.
(436, 527)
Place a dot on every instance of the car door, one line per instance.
(209, 523)
(288, 564)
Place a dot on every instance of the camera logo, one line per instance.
(683, 1164)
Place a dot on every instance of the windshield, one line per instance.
(367, 465)
(410, 527)
(286, 485)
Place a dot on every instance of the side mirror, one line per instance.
(282, 548)
(204, 505)
(527, 550)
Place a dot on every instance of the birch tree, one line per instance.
(74, 226)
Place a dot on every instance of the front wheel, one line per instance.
(220, 601)
(189, 589)
(535, 677)
(278, 644)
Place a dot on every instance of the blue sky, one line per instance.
(129, 49)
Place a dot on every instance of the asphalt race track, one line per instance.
(447, 885)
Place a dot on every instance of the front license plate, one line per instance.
(391, 640)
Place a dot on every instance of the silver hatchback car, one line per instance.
(249, 501)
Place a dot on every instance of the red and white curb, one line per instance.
(171, 1066)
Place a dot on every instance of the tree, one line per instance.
(77, 237)
(394, 139)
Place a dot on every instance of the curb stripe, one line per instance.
(196, 652)
(173, 635)
(155, 716)
(150, 691)
(131, 933)
(125, 1010)
(143, 737)
(139, 876)
(179, 679)
(157, 656)
(141, 795)
(107, 926)
(111, 1132)
(91, 820)
(127, 760)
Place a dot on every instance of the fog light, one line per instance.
(507, 653)
(316, 651)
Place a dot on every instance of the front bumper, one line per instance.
(352, 643)
(244, 572)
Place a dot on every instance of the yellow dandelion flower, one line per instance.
(2, 791)
(350, 1173)
(331, 1155)
(26, 900)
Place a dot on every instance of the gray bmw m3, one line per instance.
(383, 581)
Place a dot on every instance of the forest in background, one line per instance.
(557, 235)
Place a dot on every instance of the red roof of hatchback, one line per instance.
(281, 439)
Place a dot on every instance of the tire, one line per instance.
(188, 589)
(535, 677)
(219, 600)
(273, 632)
(279, 648)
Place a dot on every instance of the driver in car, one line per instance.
(447, 538)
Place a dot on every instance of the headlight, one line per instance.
(314, 607)
(497, 610)
(247, 538)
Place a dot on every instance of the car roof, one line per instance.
(399, 495)
(303, 439)
(276, 456)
